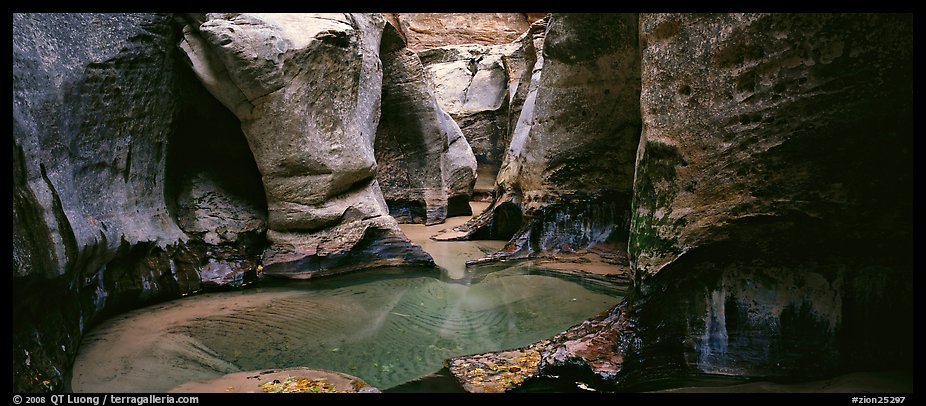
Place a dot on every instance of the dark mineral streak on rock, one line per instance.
(94, 104)
(772, 215)
(772, 207)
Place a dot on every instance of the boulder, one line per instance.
(306, 88)
(228, 273)
(207, 209)
(424, 161)
(230, 227)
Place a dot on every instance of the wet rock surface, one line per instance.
(423, 160)
(311, 132)
(228, 273)
(589, 345)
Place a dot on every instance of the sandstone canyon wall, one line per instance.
(772, 215)
(307, 89)
(757, 168)
(566, 180)
(426, 167)
(430, 30)
(93, 111)
(771, 229)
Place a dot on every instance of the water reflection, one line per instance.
(387, 326)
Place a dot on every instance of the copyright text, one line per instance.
(103, 400)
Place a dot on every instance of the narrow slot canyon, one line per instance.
(462, 202)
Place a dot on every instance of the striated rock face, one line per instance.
(306, 88)
(565, 183)
(772, 204)
(430, 30)
(424, 160)
(94, 104)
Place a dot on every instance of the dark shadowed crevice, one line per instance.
(213, 187)
(208, 139)
(209, 159)
(458, 206)
(507, 221)
(501, 223)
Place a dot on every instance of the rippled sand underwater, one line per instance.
(385, 326)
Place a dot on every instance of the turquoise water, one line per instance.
(388, 326)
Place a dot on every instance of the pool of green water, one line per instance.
(388, 327)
